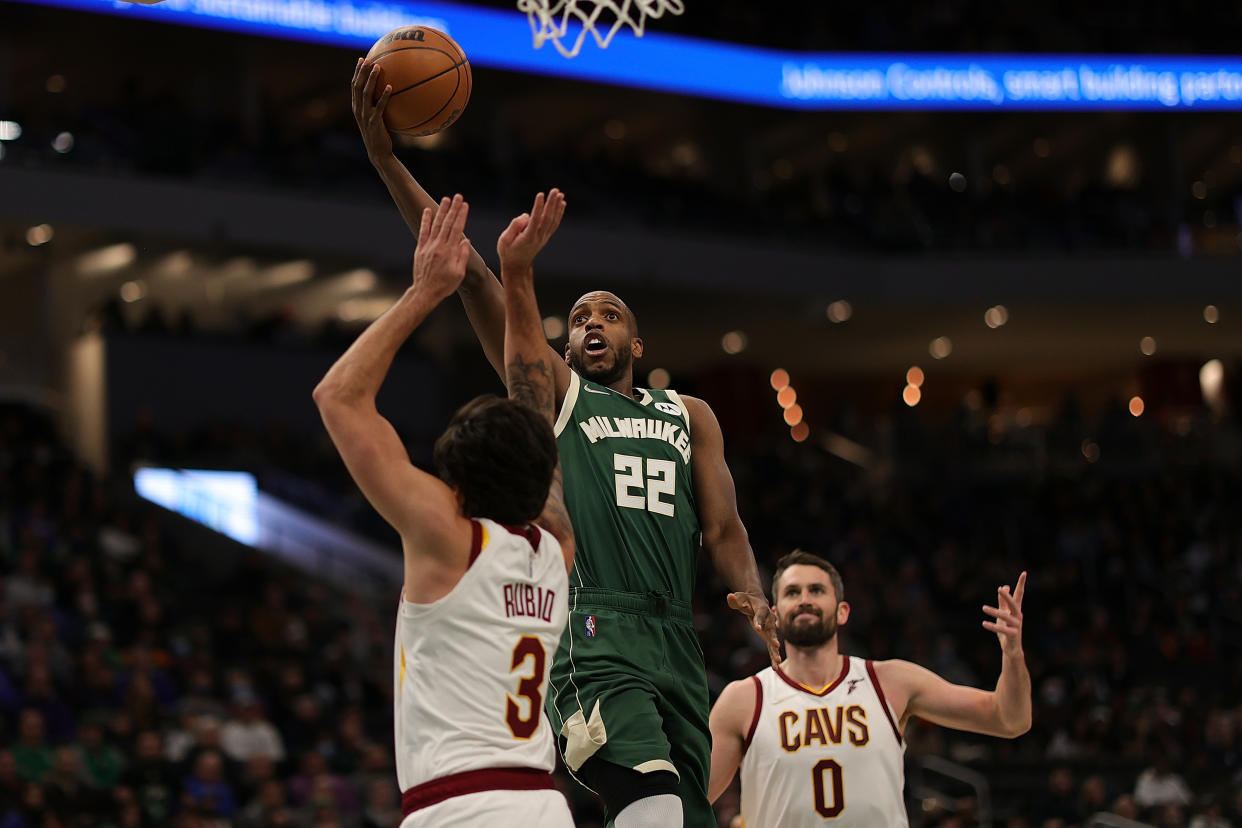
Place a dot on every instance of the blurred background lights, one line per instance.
(1147, 346)
(779, 379)
(39, 234)
(996, 316)
(1211, 315)
(1211, 383)
(940, 347)
(177, 263)
(734, 342)
(840, 311)
(793, 415)
(915, 376)
(911, 395)
(1136, 406)
(63, 142)
(658, 379)
(787, 396)
(107, 259)
(553, 327)
(800, 432)
(133, 291)
(1121, 168)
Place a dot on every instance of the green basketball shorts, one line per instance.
(627, 686)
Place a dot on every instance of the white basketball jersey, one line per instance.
(831, 757)
(471, 670)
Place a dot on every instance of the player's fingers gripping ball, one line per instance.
(430, 79)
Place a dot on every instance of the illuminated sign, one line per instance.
(791, 80)
(221, 500)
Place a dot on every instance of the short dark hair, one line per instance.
(501, 454)
(798, 557)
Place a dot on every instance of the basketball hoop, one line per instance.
(567, 22)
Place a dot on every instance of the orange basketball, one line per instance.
(429, 76)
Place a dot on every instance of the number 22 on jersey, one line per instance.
(641, 482)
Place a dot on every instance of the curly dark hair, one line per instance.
(501, 454)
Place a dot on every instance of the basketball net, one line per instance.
(552, 20)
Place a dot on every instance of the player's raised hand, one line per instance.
(1008, 615)
(528, 233)
(443, 250)
(369, 112)
(762, 621)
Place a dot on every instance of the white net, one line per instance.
(567, 22)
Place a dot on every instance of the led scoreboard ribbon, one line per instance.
(790, 80)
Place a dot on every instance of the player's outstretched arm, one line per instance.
(1005, 711)
(480, 292)
(724, 536)
(530, 365)
(729, 722)
(418, 505)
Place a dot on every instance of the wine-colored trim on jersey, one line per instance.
(475, 781)
(476, 541)
(530, 531)
(754, 722)
(823, 691)
(879, 691)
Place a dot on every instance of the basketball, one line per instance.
(429, 75)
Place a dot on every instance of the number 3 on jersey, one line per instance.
(660, 478)
(528, 647)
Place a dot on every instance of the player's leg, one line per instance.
(601, 702)
(633, 799)
(683, 707)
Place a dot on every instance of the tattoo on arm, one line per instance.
(555, 517)
(532, 382)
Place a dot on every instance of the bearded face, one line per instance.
(807, 607)
(808, 626)
(596, 359)
(603, 342)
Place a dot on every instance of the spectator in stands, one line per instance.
(101, 761)
(205, 791)
(152, 780)
(267, 807)
(33, 755)
(1210, 816)
(40, 694)
(1159, 785)
(1093, 797)
(10, 783)
(315, 787)
(65, 785)
(383, 805)
(1058, 803)
(248, 733)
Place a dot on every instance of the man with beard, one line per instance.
(818, 737)
(646, 486)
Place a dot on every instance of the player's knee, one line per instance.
(619, 786)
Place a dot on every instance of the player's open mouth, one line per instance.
(594, 345)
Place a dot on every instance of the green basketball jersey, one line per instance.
(628, 489)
